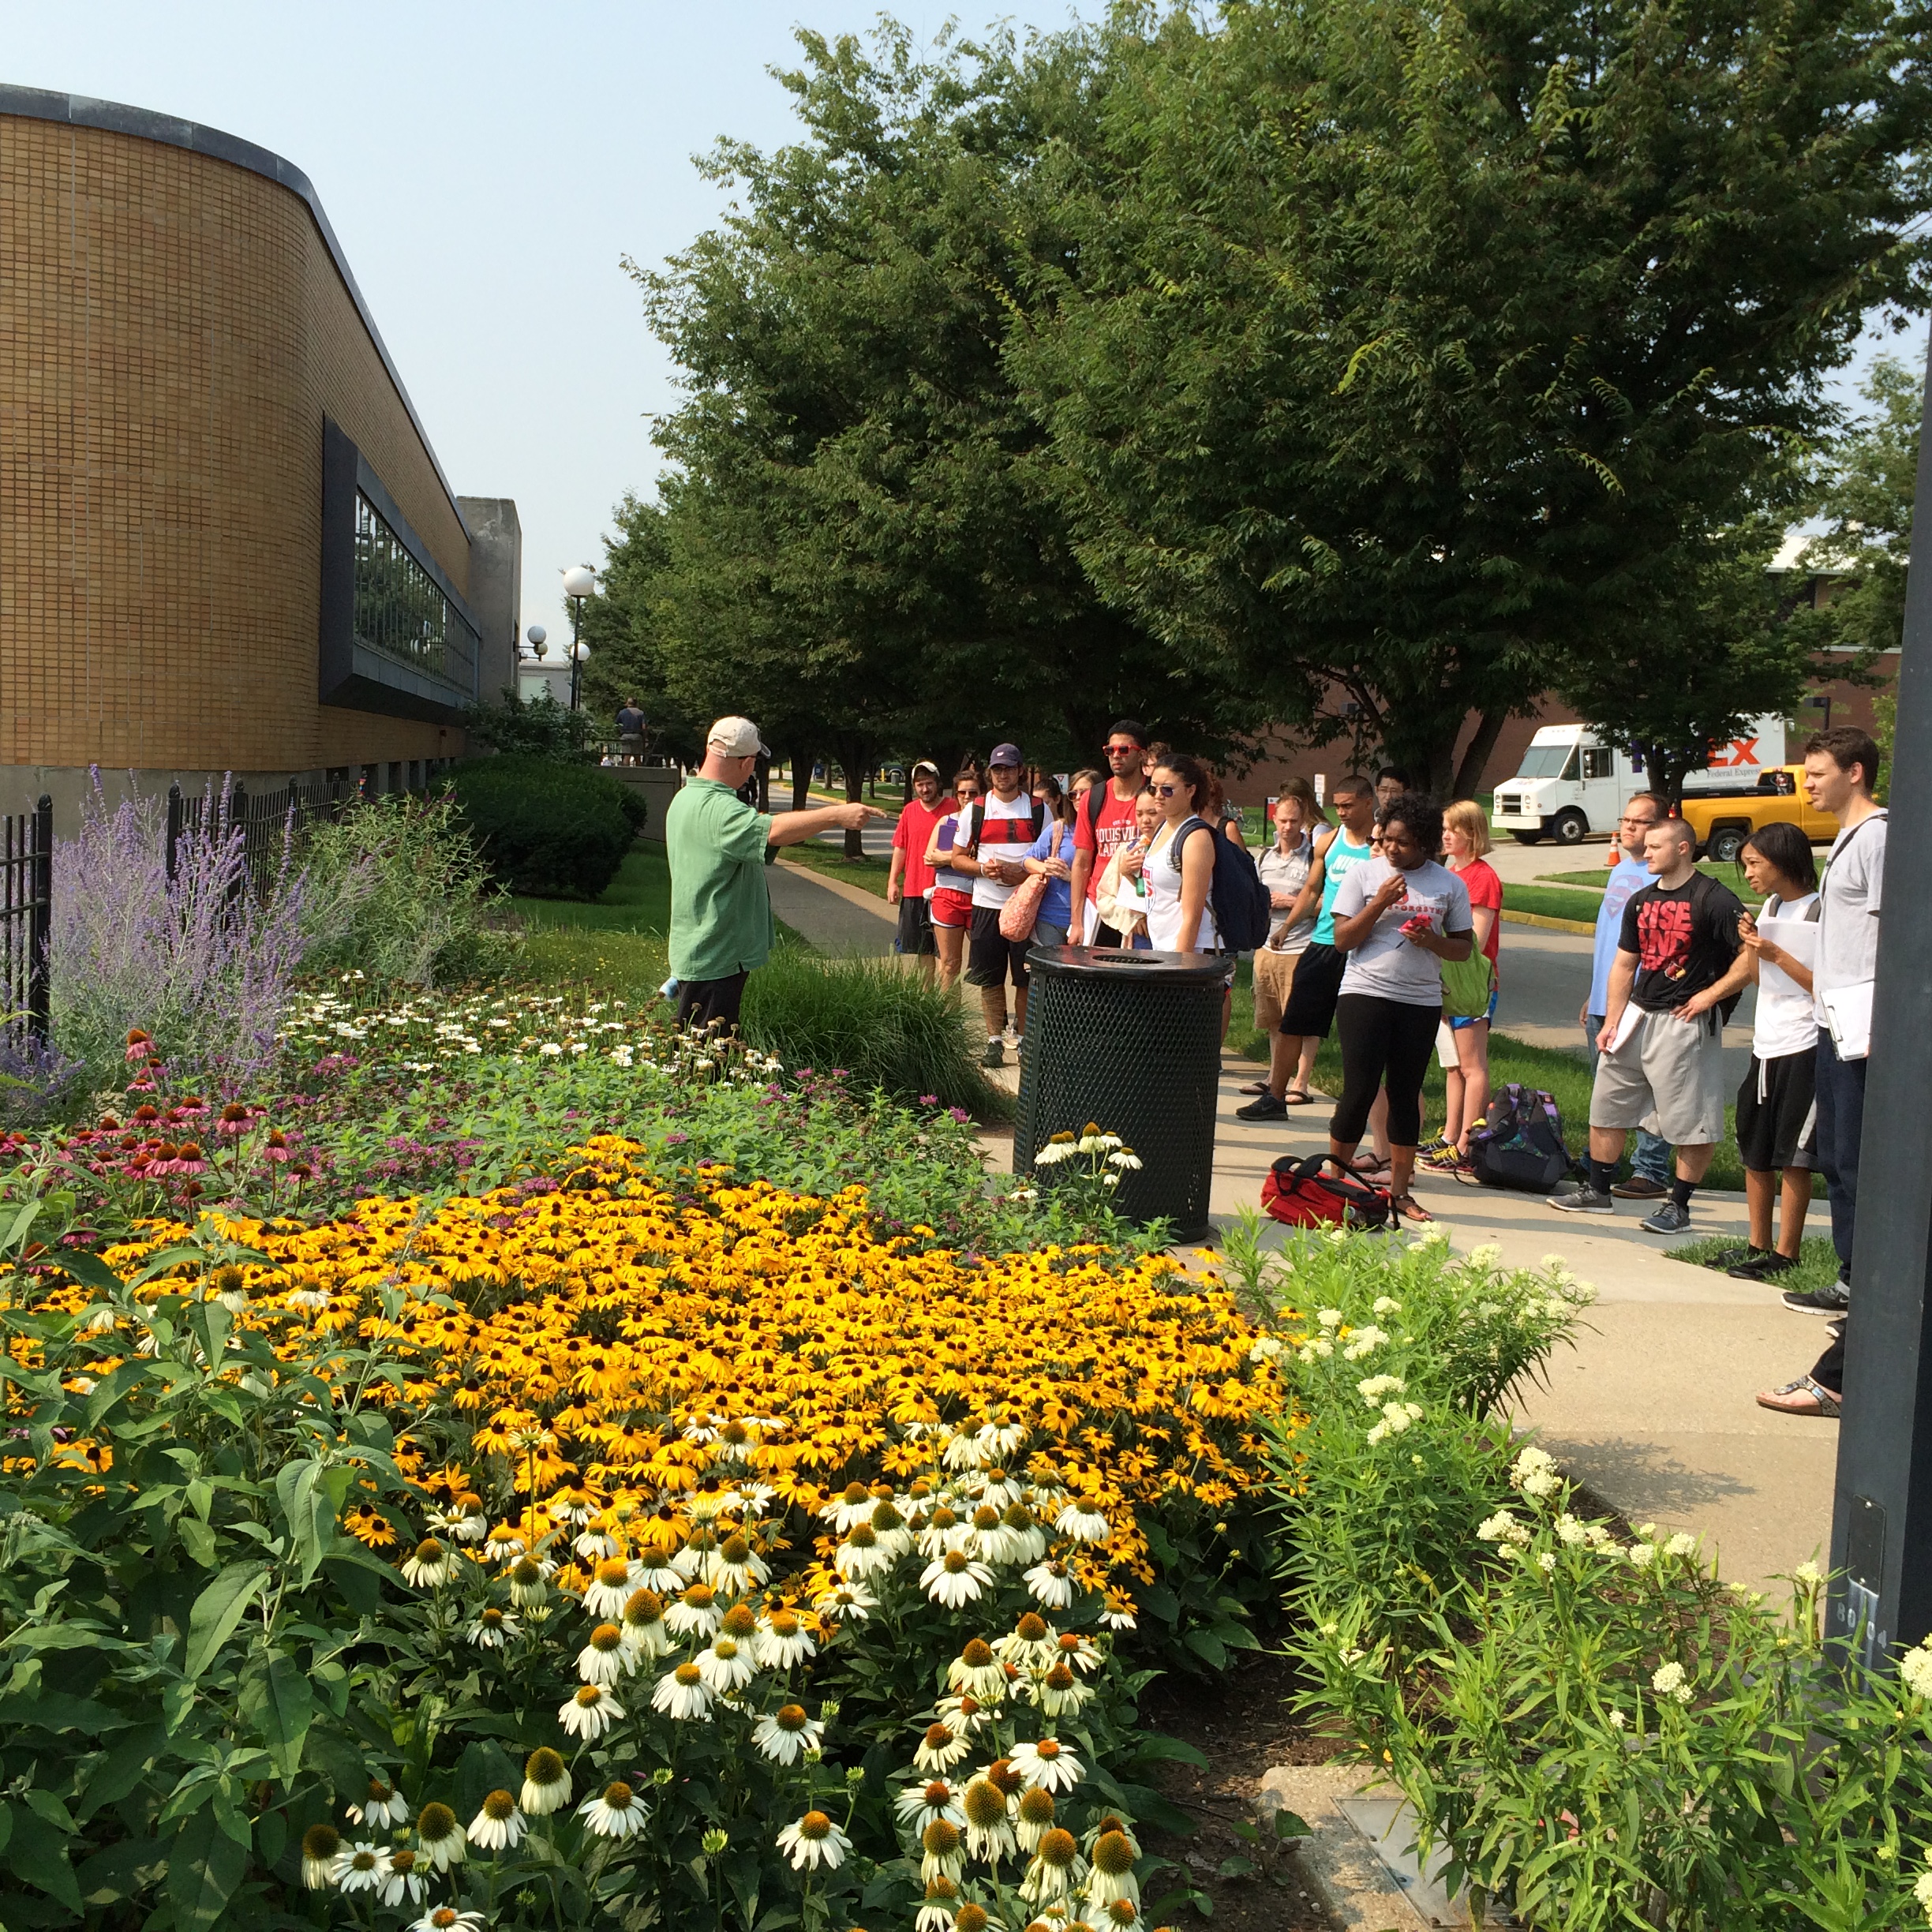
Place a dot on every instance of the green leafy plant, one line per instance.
(549, 829)
(541, 728)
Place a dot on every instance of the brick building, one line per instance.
(225, 543)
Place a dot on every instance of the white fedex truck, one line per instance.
(1572, 782)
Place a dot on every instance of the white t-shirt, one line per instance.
(1162, 878)
(1784, 1023)
(987, 892)
(1385, 965)
(1851, 896)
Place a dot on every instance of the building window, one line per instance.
(400, 609)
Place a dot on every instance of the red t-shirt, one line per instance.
(1115, 828)
(912, 836)
(1485, 889)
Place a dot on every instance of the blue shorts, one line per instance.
(1470, 1019)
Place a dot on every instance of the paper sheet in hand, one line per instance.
(1625, 1025)
(1799, 937)
(1850, 1011)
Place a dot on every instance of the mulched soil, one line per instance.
(1241, 1724)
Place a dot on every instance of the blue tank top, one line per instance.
(1342, 853)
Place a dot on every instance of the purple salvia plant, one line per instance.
(204, 962)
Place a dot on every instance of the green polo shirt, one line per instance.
(720, 907)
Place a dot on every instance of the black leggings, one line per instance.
(1379, 1037)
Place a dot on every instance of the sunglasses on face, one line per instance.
(1123, 751)
(1165, 791)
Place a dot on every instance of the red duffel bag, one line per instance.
(1304, 1194)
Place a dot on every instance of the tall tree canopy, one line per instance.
(1407, 352)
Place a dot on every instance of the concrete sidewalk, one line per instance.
(831, 915)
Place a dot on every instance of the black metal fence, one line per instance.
(26, 914)
(271, 822)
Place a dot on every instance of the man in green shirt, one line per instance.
(720, 907)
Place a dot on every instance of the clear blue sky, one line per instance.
(484, 167)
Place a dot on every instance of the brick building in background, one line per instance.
(225, 543)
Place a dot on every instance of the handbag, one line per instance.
(1301, 1194)
(1466, 985)
(1020, 913)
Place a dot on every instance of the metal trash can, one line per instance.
(1131, 1042)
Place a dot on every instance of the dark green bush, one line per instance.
(551, 830)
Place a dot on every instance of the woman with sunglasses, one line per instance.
(1397, 917)
(1178, 870)
(951, 899)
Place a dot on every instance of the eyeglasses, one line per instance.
(1128, 751)
(1165, 791)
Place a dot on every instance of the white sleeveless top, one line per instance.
(1162, 878)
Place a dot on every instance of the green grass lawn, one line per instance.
(637, 900)
(1817, 1261)
(869, 874)
(1731, 875)
(1553, 902)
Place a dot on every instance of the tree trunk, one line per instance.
(1470, 773)
(854, 755)
(801, 778)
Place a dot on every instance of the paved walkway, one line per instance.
(835, 917)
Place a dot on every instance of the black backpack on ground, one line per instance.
(1519, 1142)
(1242, 913)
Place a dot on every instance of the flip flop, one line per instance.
(1256, 1087)
(1298, 1096)
(1802, 1397)
(1409, 1208)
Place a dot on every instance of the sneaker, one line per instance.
(1580, 1197)
(1668, 1219)
(1829, 1299)
(1762, 1265)
(1433, 1146)
(1640, 1187)
(1443, 1159)
(995, 1054)
(1726, 1259)
(1264, 1106)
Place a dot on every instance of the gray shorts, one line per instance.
(1667, 1077)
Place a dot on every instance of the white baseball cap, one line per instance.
(734, 737)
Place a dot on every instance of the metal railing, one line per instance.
(26, 916)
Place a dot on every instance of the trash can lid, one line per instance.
(1124, 966)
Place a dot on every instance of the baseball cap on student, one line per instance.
(734, 737)
(926, 766)
(1005, 754)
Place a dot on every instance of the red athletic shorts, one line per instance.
(950, 908)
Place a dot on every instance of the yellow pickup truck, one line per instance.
(1724, 820)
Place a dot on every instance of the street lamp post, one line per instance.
(579, 582)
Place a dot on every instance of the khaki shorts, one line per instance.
(1667, 1078)
(1274, 974)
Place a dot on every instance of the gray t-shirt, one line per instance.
(1849, 896)
(1385, 964)
(1287, 872)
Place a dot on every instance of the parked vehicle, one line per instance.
(1573, 783)
(1724, 820)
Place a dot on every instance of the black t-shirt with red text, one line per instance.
(1684, 939)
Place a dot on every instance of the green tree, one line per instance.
(1406, 352)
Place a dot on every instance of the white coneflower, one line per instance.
(644, 1631)
(1027, 1540)
(854, 1506)
(468, 1521)
(1082, 1653)
(1082, 1526)
(785, 1734)
(940, 1750)
(428, 1565)
(1115, 1617)
(383, 1805)
(446, 1918)
(942, 1847)
(1050, 1584)
(964, 1715)
(978, 1672)
(1032, 1643)
(320, 1846)
(1060, 1693)
(852, 1602)
(955, 1580)
(360, 1868)
(572, 1506)
(527, 1587)
(609, 1588)
(683, 1694)
(695, 1614)
(782, 1641)
(440, 1836)
(504, 1542)
(937, 1915)
(590, 1713)
(594, 1545)
(405, 1885)
(861, 1555)
(813, 1841)
(989, 1823)
(491, 1629)
(546, 1783)
(699, 1547)
(941, 1531)
(889, 1527)
(727, 1665)
(616, 1815)
(604, 1660)
(499, 1825)
(1057, 1870)
(1113, 1875)
(1048, 1762)
(735, 1567)
(1035, 1817)
(918, 1805)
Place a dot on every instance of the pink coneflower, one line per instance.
(140, 1045)
(235, 1119)
(191, 1107)
(191, 1159)
(275, 1147)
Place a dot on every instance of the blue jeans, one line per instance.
(1840, 1091)
(1651, 1158)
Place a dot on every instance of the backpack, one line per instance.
(1519, 1142)
(1036, 824)
(1242, 913)
(1299, 1194)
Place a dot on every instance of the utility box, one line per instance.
(1131, 1041)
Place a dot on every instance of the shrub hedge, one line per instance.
(552, 830)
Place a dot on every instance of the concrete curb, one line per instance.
(1342, 1869)
(1586, 927)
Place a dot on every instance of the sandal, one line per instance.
(1371, 1164)
(1802, 1397)
(1298, 1096)
(1409, 1208)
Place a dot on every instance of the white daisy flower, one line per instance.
(1048, 1763)
(610, 1589)
(782, 1642)
(785, 1735)
(491, 1629)
(939, 1750)
(735, 1567)
(1050, 1584)
(727, 1666)
(405, 1885)
(428, 1565)
(499, 1825)
(361, 1868)
(683, 1694)
(446, 1918)
(617, 1814)
(604, 1659)
(813, 1841)
(589, 1713)
(861, 1555)
(383, 1805)
(546, 1783)
(440, 1836)
(1057, 1870)
(918, 1805)
(1082, 1526)
(989, 1823)
(845, 1511)
(955, 1580)
(852, 1604)
(978, 1672)
(695, 1614)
